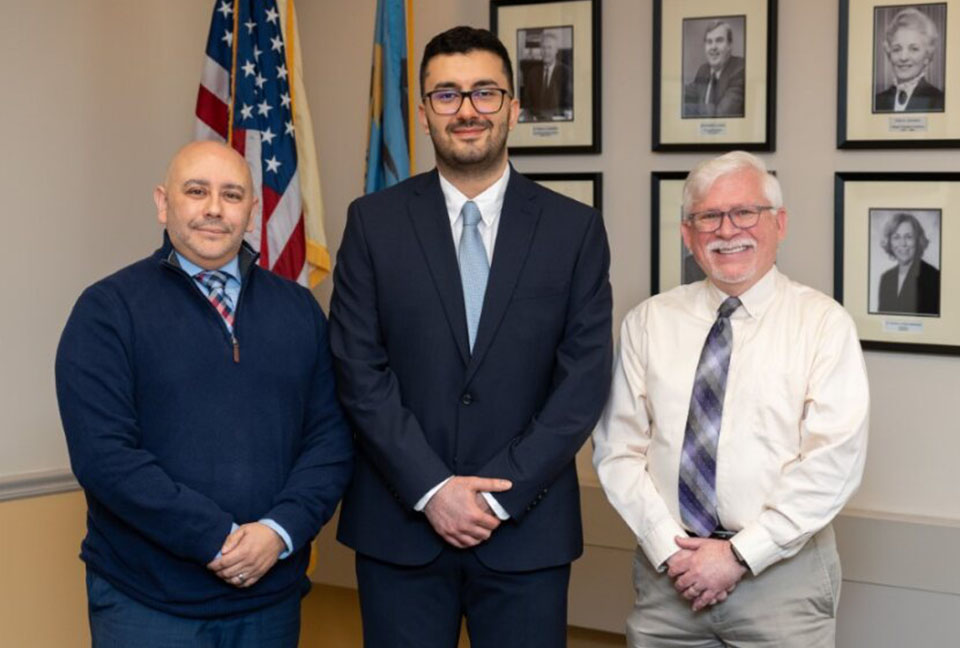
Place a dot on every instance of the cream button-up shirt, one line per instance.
(793, 436)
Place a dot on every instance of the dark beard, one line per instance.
(474, 163)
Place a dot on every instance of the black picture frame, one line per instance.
(560, 116)
(871, 210)
(667, 252)
(866, 117)
(744, 116)
(574, 185)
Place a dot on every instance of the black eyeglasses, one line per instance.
(447, 101)
(742, 217)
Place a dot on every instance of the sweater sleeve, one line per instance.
(325, 463)
(95, 381)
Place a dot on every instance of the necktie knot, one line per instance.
(213, 280)
(470, 213)
(727, 308)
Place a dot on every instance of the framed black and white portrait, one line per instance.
(714, 75)
(895, 237)
(904, 261)
(545, 74)
(555, 47)
(584, 187)
(671, 263)
(896, 62)
(714, 67)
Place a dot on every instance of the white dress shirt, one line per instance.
(793, 437)
(490, 204)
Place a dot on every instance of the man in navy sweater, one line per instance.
(197, 398)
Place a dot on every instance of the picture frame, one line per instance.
(911, 102)
(714, 75)
(555, 49)
(584, 187)
(671, 264)
(894, 262)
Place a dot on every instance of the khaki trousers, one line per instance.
(791, 604)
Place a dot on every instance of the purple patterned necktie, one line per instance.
(215, 282)
(698, 461)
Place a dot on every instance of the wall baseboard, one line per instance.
(40, 482)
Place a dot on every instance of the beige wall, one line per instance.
(99, 93)
(42, 595)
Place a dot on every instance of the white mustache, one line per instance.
(724, 246)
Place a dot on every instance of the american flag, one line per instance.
(251, 96)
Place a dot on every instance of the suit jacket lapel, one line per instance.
(431, 224)
(518, 221)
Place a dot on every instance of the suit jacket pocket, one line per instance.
(539, 291)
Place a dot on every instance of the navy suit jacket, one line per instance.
(925, 98)
(422, 407)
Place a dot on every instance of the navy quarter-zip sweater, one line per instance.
(175, 432)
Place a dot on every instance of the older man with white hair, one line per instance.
(735, 432)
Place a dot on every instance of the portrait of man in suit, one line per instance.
(716, 88)
(546, 73)
(908, 59)
(471, 335)
(911, 239)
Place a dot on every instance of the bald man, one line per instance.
(198, 403)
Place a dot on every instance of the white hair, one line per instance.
(703, 176)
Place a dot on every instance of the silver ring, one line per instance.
(241, 577)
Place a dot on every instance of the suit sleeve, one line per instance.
(581, 381)
(325, 463)
(95, 391)
(387, 432)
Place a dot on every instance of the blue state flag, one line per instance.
(390, 147)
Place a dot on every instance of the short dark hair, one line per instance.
(463, 40)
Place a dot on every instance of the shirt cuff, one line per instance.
(498, 510)
(422, 502)
(233, 527)
(267, 522)
(661, 542)
(756, 547)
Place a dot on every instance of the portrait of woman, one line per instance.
(912, 285)
(911, 42)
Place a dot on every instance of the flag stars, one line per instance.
(272, 15)
(225, 9)
(259, 81)
(246, 112)
(249, 68)
(273, 164)
(285, 100)
(263, 108)
(228, 38)
(267, 136)
(257, 52)
(276, 44)
(289, 127)
(250, 24)
(281, 71)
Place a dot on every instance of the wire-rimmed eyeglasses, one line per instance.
(447, 101)
(742, 217)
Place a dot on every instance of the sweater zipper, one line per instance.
(234, 342)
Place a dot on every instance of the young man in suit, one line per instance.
(470, 326)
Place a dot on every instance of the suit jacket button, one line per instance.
(467, 398)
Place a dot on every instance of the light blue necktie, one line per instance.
(474, 267)
(698, 460)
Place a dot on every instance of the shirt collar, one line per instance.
(909, 86)
(231, 267)
(489, 201)
(754, 302)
